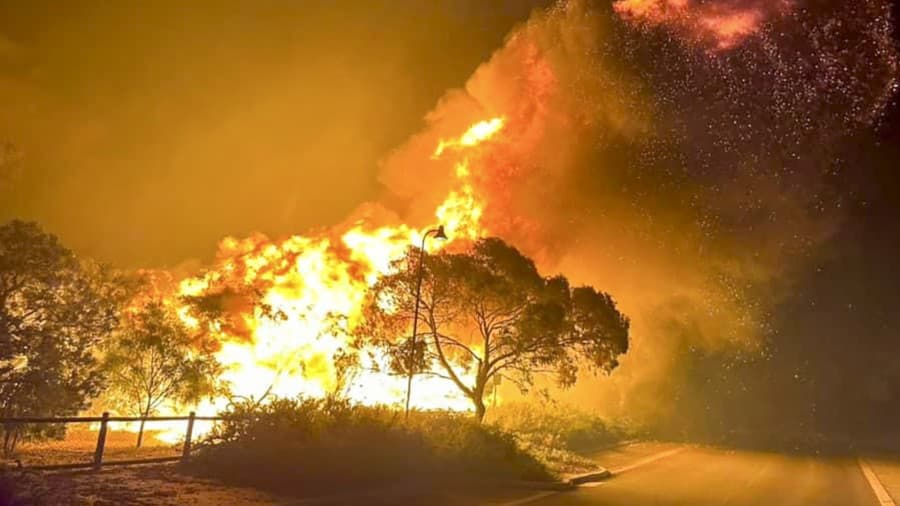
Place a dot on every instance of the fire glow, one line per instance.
(725, 24)
(307, 280)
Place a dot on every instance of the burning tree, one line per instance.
(54, 309)
(155, 359)
(488, 313)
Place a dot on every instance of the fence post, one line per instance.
(186, 451)
(101, 441)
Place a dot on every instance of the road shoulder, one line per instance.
(616, 459)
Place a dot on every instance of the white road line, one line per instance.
(642, 462)
(646, 460)
(884, 499)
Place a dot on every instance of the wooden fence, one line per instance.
(104, 420)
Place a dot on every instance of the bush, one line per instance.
(308, 445)
(557, 435)
(558, 426)
(482, 449)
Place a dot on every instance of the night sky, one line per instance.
(766, 185)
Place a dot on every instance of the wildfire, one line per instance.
(725, 24)
(476, 134)
(308, 281)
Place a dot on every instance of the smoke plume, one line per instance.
(687, 184)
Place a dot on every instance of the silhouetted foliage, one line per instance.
(154, 358)
(559, 426)
(488, 313)
(319, 445)
(54, 310)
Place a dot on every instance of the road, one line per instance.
(666, 474)
(696, 476)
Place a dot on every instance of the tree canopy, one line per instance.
(488, 313)
(54, 310)
(154, 359)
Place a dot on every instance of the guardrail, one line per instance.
(104, 420)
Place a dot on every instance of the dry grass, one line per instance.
(149, 485)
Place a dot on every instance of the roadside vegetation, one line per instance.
(322, 445)
(557, 435)
(560, 426)
(76, 335)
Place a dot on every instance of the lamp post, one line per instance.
(438, 234)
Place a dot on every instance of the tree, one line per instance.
(488, 313)
(154, 359)
(54, 310)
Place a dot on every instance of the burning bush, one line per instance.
(318, 445)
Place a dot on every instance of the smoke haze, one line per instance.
(694, 159)
(689, 185)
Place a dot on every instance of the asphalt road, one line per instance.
(708, 476)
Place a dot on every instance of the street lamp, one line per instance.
(438, 234)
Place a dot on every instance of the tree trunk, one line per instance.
(480, 409)
(478, 397)
(9, 443)
(141, 431)
(15, 441)
(144, 416)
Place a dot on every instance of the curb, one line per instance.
(568, 483)
(558, 486)
(600, 474)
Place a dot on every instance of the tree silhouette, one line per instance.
(488, 313)
(155, 359)
(54, 310)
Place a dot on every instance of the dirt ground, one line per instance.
(145, 485)
(165, 485)
(150, 485)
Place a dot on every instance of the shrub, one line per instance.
(475, 448)
(558, 435)
(307, 445)
(558, 426)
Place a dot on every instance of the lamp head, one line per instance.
(440, 234)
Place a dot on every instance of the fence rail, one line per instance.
(104, 420)
(95, 419)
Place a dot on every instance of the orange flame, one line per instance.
(309, 279)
